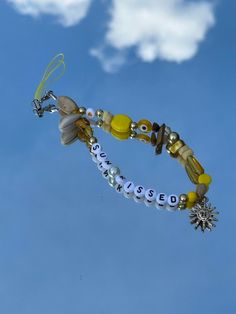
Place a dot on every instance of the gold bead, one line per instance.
(93, 140)
(144, 138)
(82, 110)
(99, 113)
(99, 123)
(133, 126)
(172, 138)
(173, 149)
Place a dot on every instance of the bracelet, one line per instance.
(77, 123)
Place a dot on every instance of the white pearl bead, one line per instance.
(150, 195)
(120, 180)
(139, 191)
(101, 156)
(96, 148)
(119, 188)
(161, 200)
(100, 167)
(106, 164)
(129, 187)
(105, 174)
(172, 202)
(90, 113)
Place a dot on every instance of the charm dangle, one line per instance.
(203, 215)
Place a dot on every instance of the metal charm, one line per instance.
(203, 215)
(39, 110)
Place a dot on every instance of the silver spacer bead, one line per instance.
(112, 182)
(133, 134)
(172, 138)
(113, 172)
(183, 198)
(133, 126)
(99, 123)
(99, 113)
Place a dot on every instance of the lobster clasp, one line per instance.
(38, 108)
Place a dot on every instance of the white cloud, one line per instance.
(68, 12)
(170, 30)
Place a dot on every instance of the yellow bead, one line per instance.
(144, 138)
(205, 179)
(120, 135)
(189, 205)
(145, 126)
(121, 123)
(192, 197)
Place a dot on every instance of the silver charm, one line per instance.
(203, 215)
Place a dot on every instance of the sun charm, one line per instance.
(203, 215)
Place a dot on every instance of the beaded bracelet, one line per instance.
(77, 123)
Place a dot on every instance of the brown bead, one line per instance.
(201, 190)
(153, 139)
(155, 127)
(160, 139)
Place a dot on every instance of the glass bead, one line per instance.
(204, 179)
(144, 138)
(145, 126)
(90, 113)
(192, 197)
(121, 123)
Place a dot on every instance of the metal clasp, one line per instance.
(39, 110)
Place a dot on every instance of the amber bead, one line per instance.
(195, 165)
(153, 139)
(173, 149)
(191, 174)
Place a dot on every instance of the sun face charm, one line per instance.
(203, 215)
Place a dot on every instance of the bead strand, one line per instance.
(128, 188)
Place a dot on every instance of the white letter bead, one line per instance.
(139, 191)
(105, 174)
(100, 167)
(96, 148)
(129, 187)
(120, 180)
(150, 195)
(106, 164)
(172, 202)
(90, 113)
(161, 200)
(119, 188)
(101, 156)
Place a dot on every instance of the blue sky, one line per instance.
(68, 242)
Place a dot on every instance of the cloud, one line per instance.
(68, 12)
(169, 30)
